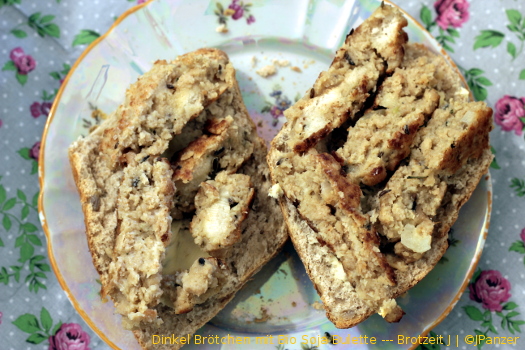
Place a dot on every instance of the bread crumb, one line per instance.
(281, 63)
(296, 69)
(254, 61)
(307, 64)
(264, 316)
(267, 71)
(242, 315)
(318, 305)
(387, 307)
(222, 29)
(275, 191)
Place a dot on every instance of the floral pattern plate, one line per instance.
(296, 37)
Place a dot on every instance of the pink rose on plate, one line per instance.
(70, 336)
(276, 112)
(490, 289)
(509, 110)
(451, 13)
(239, 10)
(250, 19)
(35, 151)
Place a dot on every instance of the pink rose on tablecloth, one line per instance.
(70, 336)
(35, 150)
(36, 109)
(45, 108)
(1, 123)
(16, 54)
(451, 13)
(1, 314)
(509, 110)
(24, 63)
(141, 1)
(522, 235)
(490, 289)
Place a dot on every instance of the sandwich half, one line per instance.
(174, 187)
(373, 165)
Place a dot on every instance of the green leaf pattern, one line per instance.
(477, 83)
(42, 329)
(85, 37)
(42, 24)
(516, 34)
(518, 185)
(508, 320)
(488, 38)
(26, 241)
(519, 246)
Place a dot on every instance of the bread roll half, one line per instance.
(373, 165)
(174, 189)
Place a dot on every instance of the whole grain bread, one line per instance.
(181, 132)
(370, 195)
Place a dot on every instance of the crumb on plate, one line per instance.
(222, 29)
(281, 63)
(318, 305)
(267, 71)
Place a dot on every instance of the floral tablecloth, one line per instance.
(40, 40)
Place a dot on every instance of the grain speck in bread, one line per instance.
(182, 125)
(371, 180)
